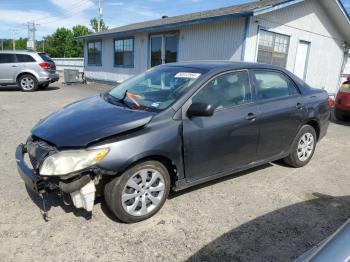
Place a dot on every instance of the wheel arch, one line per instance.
(26, 73)
(315, 124)
(170, 165)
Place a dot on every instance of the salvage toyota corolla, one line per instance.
(172, 127)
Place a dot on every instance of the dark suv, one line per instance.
(29, 70)
(174, 126)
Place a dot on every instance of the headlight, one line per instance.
(66, 162)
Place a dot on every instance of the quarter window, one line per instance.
(7, 58)
(124, 52)
(94, 53)
(273, 85)
(273, 48)
(226, 90)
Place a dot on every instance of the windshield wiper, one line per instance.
(132, 97)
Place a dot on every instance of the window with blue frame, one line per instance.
(94, 52)
(124, 52)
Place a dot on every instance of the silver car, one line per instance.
(27, 69)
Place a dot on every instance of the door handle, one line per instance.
(251, 117)
(299, 106)
(14, 65)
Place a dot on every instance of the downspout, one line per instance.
(245, 36)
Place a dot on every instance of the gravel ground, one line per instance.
(272, 213)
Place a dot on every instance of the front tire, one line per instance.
(28, 83)
(303, 147)
(139, 192)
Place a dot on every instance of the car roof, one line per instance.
(18, 52)
(211, 64)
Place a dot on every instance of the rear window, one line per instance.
(45, 57)
(25, 58)
(7, 58)
(345, 88)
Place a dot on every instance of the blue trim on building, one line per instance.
(133, 52)
(246, 31)
(276, 7)
(344, 10)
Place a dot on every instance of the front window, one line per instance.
(124, 52)
(94, 53)
(273, 48)
(226, 90)
(157, 88)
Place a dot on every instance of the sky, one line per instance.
(51, 14)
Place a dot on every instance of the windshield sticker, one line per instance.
(187, 75)
(155, 104)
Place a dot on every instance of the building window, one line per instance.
(273, 48)
(94, 53)
(124, 52)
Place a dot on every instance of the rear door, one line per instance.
(226, 140)
(8, 68)
(281, 112)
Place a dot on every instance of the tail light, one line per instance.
(45, 65)
(330, 102)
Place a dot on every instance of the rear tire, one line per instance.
(28, 83)
(139, 192)
(303, 147)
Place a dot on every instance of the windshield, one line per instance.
(157, 88)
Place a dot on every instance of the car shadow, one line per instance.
(17, 89)
(282, 235)
(49, 200)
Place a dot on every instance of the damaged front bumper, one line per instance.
(81, 188)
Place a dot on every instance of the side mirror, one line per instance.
(200, 109)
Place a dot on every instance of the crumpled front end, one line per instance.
(81, 185)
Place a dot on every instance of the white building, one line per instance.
(308, 37)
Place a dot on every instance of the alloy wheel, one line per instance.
(305, 147)
(143, 192)
(27, 83)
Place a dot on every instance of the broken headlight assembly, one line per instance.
(70, 161)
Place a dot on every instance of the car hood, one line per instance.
(88, 120)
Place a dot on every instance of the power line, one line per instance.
(71, 8)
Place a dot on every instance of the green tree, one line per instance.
(78, 44)
(94, 25)
(60, 43)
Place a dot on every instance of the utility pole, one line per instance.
(14, 31)
(99, 14)
(32, 27)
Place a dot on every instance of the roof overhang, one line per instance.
(334, 8)
(173, 26)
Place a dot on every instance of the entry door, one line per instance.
(163, 49)
(226, 140)
(302, 59)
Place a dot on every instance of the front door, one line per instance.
(163, 49)
(8, 68)
(281, 112)
(228, 139)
